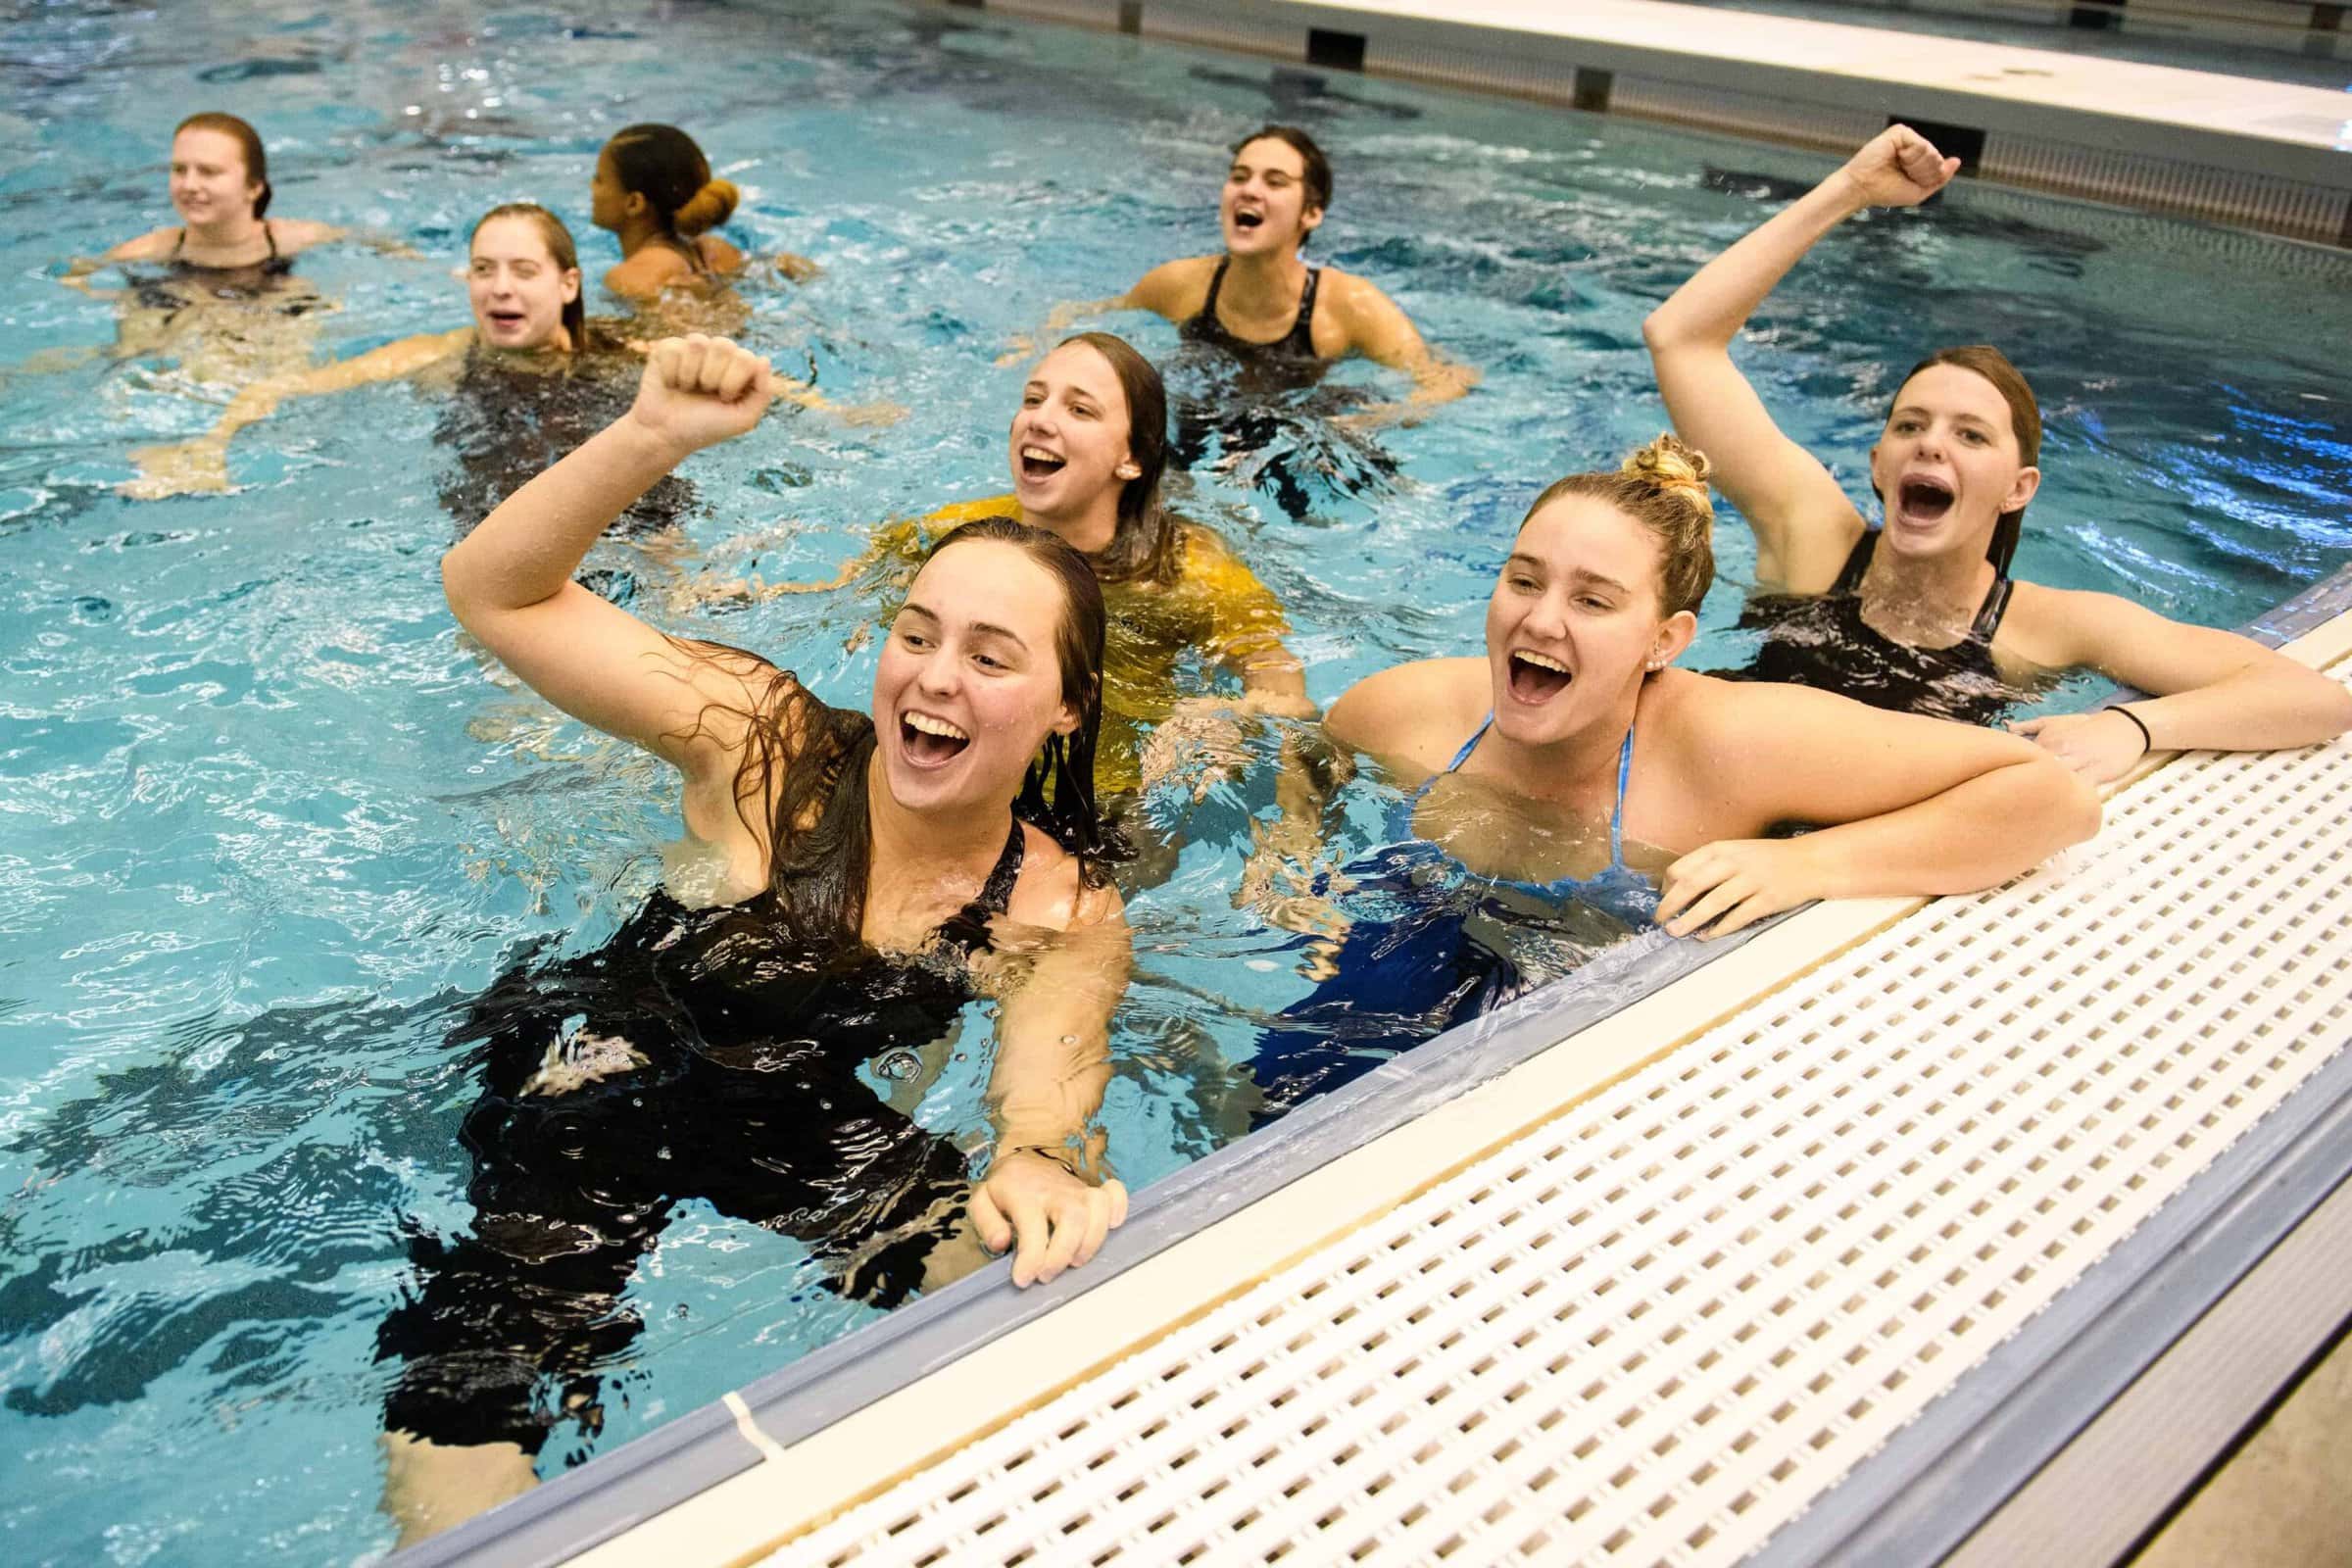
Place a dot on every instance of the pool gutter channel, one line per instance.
(2257, 155)
(649, 1475)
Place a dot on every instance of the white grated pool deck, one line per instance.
(1731, 1259)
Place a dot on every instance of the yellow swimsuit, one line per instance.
(1217, 608)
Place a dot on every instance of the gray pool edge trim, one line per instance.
(1918, 1498)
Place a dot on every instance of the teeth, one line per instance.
(1039, 455)
(1541, 661)
(935, 726)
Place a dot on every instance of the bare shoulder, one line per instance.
(300, 233)
(718, 254)
(152, 246)
(643, 275)
(1174, 290)
(2058, 628)
(1414, 717)
(1053, 891)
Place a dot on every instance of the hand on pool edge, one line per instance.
(1052, 1220)
(2102, 747)
(1721, 887)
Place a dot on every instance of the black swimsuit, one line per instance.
(247, 280)
(1297, 344)
(701, 1053)
(1264, 408)
(509, 423)
(1822, 641)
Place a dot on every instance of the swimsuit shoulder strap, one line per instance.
(1216, 281)
(1995, 606)
(1857, 562)
(269, 234)
(1302, 336)
(180, 242)
(968, 927)
(1625, 772)
(1471, 745)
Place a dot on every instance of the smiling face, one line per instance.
(1264, 206)
(969, 684)
(1574, 622)
(1947, 464)
(519, 291)
(1069, 441)
(209, 184)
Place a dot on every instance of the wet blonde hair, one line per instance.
(1663, 487)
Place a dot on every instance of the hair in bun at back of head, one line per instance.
(1662, 486)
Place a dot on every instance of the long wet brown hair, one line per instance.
(1148, 545)
(806, 762)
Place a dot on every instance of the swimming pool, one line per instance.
(268, 823)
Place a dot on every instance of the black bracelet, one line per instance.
(2148, 742)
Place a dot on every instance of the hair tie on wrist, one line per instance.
(2148, 742)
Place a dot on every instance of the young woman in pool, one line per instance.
(1573, 764)
(1922, 614)
(215, 287)
(1087, 447)
(528, 380)
(855, 881)
(654, 191)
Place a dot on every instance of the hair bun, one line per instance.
(1668, 465)
(707, 208)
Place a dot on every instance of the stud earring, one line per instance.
(1128, 470)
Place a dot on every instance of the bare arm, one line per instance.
(509, 581)
(2211, 690)
(1380, 331)
(1908, 805)
(1056, 1001)
(1804, 523)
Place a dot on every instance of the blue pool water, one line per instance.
(267, 822)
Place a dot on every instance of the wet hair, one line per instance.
(1148, 545)
(806, 762)
(1663, 487)
(2024, 423)
(1317, 168)
(249, 141)
(560, 246)
(662, 164)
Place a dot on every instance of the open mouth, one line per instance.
(1537, 677)
(1246, 221)
(929, 742)
(1924, 500)
(1039, 464)
(508, 319)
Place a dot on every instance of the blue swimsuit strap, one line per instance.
(1625, 773)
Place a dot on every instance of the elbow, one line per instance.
(1660, 330)
(457, 585)
(2064, 801)
(2334, 714)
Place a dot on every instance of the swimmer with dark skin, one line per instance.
(1955, 467)
(1274, 198)
(522, 280)
(654, 191)
(974, 685)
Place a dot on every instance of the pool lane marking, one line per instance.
(769, 1448)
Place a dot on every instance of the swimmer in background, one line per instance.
(853, 884)
(654, 191)
(221, 295)
(1573, 765)
(536, 377)
(1260, 301)
(1920, 613)
(1088, 447)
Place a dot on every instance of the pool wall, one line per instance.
(2260, 155)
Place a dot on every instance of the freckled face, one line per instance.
(208, 181)
(1574, 620)
(1947, 464)
(1264, 206)
(517, 291)
(969, 684)
(1069, 436)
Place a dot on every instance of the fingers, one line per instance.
(1031, 1235)
(2029, 726)
(996, 1234)
(712, 366)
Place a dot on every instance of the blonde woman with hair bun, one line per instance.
(1573, 764)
